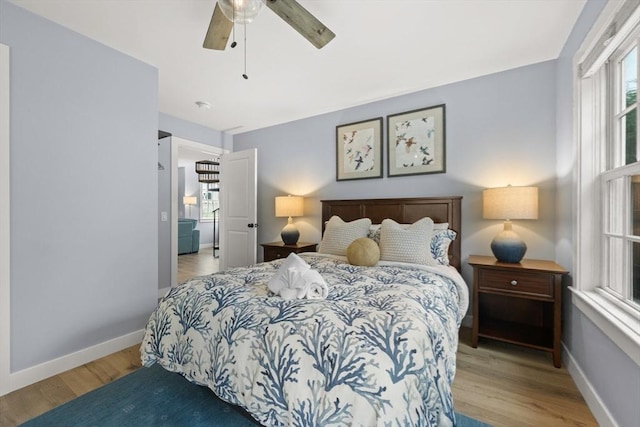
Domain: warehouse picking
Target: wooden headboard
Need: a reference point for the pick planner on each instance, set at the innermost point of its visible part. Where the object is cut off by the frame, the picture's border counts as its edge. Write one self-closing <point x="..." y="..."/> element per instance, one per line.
<point x="403" y="211"/>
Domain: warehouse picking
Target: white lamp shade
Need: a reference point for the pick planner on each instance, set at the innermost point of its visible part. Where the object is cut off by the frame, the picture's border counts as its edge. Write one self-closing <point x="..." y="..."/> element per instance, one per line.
<point x="289" y="206"/>
<point x="190" y="200"/>
<point x="510" y="203"/>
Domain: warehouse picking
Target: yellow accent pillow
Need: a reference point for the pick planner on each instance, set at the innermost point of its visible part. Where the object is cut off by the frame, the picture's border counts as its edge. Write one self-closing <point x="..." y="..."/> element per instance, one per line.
<point x="363" y="252"/>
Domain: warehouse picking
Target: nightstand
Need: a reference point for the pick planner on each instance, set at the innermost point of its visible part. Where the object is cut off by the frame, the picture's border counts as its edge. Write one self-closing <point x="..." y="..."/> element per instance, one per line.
<point x="518" y="303"/>
<point x="278" y="250"/>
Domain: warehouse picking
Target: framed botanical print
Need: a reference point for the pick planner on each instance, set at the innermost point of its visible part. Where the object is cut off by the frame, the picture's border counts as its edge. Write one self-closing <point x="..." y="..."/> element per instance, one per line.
<point x="359" y="150"/>
<point x="416" y="142"/>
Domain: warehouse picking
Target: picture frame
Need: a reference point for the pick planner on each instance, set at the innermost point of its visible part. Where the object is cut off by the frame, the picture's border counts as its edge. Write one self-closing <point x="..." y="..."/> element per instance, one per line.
<point x="359" y="150"/>
<point x="416" y="142"/>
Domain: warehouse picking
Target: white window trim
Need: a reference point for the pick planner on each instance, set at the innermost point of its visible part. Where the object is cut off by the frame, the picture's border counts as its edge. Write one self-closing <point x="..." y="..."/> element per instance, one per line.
<point x="622" y="326"/>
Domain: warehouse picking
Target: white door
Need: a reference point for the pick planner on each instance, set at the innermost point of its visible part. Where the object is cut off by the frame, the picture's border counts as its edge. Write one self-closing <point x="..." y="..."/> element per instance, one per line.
<point x="238" y="213"/>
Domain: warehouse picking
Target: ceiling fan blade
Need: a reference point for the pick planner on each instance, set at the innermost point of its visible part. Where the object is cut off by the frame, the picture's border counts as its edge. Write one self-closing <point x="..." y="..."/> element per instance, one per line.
<point x="302" y="21"/>
<point x="218" y="32"/>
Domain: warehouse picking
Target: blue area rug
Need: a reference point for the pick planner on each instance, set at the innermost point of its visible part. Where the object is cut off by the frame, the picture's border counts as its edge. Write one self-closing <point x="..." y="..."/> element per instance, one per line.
<point x="156" y="397"/>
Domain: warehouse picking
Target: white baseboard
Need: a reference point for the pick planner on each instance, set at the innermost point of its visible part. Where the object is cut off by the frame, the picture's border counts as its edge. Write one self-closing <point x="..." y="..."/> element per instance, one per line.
<point x="53" y="367"/>
<point x="206" y="245"/>
<point x="595" y="404"/>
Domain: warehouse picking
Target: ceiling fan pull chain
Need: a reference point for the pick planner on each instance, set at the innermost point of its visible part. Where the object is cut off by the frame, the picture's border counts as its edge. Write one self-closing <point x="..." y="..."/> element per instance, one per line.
<point x="246" y="77"/>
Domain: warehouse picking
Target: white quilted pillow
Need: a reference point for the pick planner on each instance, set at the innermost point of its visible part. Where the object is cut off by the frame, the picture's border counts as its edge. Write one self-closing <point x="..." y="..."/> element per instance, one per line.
<point x="338" y="234"/>
<point x="374" y="230"/>
<point x="407" y="244"/>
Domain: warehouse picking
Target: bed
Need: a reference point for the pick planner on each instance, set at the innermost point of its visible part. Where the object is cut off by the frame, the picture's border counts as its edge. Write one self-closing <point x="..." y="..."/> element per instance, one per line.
<point x="379" y="350"/>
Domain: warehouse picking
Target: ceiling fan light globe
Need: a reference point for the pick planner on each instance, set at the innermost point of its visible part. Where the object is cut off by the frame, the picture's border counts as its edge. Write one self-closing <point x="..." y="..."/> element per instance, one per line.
<point x="245" y="10"/>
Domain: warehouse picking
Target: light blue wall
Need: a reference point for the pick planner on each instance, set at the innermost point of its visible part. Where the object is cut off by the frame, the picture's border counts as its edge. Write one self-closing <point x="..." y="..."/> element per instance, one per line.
<point x="84" y="238"/>
<point x="614" y="377"/>
<point x="500" y="130"/>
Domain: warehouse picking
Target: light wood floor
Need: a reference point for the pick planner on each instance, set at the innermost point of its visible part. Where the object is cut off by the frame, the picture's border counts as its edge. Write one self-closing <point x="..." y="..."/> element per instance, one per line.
<point x="508" y="385"/>
<point x="198" y="264"/>
<point x="500" y="384"/>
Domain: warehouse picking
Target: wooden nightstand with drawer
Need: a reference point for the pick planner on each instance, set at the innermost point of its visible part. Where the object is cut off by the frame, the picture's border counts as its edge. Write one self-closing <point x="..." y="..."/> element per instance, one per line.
<point x="518" y="303"/>
<point x="278" y="250"/>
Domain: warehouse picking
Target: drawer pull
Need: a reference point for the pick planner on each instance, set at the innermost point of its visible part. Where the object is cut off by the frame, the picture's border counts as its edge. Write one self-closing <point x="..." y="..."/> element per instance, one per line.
<point x="514" y="282"/>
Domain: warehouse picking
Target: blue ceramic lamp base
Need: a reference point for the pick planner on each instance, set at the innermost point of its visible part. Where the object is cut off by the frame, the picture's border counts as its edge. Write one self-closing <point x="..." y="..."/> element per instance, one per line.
<point x="507" y="246"/>
<point x="290" y="234"/>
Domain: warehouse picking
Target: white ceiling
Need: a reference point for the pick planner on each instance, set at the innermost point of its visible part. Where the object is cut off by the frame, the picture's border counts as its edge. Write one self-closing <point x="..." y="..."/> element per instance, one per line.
<point x="382" y="48"/>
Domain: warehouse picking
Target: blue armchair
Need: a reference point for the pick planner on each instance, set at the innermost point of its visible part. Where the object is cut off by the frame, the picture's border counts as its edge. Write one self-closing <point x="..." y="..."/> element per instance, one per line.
<point x="188" y="236"/>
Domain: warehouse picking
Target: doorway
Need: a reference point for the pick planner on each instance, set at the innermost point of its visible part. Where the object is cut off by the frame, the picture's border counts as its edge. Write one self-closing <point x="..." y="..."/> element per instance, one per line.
<point x="190" y="151"/>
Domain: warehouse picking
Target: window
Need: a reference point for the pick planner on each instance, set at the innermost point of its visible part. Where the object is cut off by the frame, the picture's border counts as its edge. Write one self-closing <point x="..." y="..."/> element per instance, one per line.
<point x="208" y="201"/>
<point x="607" y="280"/>
<point x="620" y="177"/>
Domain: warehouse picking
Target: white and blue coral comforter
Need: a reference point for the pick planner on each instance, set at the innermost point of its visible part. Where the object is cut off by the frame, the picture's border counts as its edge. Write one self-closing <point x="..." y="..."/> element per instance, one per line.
<point x="379" y="351"/>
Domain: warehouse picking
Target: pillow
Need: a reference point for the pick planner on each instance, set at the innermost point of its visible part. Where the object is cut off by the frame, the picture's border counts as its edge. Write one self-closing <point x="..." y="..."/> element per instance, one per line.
<point x="374" y="230"/>
<point x="440" y="241"/>
<point x="441" y="238"/>
<point x="363" y="251"/>
<point x="374" y="233"/>
<point x="338" y="234"/>
<point x="411" y="244"/>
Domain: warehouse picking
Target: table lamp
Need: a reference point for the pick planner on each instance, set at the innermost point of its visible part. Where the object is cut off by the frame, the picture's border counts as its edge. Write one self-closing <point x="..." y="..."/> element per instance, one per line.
<point x="509" y="203"/>
<point x="289" y="206"/>
<point x="188" y="201"/>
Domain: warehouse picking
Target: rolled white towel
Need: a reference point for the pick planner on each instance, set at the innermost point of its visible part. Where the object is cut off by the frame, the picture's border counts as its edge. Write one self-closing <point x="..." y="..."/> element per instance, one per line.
<point x="296" y="280"/>
<point x="288" y="293"/>
<point x="298" y="286"/>
<point x="289" y="273"/>
<point x="315" y="285"/>
<point x="301" y="285"/>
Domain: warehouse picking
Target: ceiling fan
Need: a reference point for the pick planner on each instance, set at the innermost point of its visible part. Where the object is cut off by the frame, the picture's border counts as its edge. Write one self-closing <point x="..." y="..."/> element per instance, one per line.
<point x="228" y="12"/>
